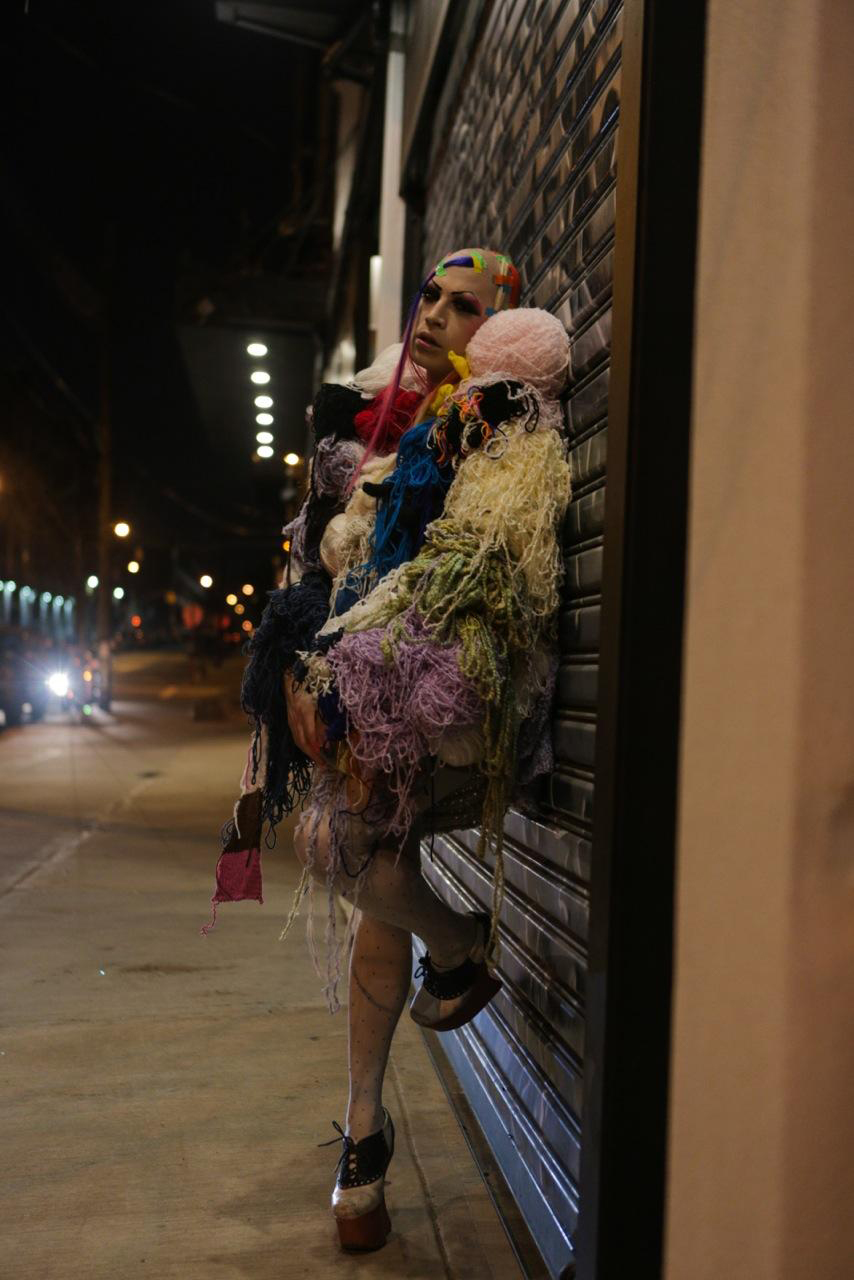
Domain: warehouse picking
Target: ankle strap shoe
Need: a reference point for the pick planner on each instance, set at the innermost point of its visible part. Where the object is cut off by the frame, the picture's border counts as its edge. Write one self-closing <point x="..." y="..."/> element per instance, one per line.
<point x="449" y="998"/>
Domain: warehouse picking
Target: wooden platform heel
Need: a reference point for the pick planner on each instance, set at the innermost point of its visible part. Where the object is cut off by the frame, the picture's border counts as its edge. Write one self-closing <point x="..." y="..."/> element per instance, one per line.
<point x="369" y="1231"/>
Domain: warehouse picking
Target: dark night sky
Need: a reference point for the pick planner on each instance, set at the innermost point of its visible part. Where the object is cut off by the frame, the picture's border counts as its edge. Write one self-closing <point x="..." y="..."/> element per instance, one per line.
<point x="178" y="133"/>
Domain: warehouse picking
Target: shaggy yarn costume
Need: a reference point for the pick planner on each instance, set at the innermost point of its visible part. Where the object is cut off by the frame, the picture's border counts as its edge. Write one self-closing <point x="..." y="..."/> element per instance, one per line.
<point x="420" y="610"/>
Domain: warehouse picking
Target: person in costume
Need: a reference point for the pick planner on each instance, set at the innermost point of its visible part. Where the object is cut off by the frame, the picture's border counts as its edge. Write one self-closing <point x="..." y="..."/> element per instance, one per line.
<point x="400" y="680"/>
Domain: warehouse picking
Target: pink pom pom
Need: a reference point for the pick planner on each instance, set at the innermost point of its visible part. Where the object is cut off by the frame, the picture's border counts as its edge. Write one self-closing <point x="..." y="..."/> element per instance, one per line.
<point x="530" y="344"/>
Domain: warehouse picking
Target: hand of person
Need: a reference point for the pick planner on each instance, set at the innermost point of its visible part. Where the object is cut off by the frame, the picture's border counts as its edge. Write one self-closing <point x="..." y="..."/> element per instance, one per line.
<point x="309" y="731"/>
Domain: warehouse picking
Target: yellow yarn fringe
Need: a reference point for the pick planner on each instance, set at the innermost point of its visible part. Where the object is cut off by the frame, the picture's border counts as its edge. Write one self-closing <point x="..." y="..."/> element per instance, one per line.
<point x="517" y="501"/>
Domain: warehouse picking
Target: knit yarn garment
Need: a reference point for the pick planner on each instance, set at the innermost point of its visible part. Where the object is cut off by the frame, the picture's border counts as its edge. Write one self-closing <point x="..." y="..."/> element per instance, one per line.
<point x="437" y="642"/>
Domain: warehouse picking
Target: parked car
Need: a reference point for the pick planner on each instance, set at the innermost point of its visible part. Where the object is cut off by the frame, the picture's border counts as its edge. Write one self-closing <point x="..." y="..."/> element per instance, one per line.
<point x="37" y="675"/>
<point x="15" y="676"/>
<point x="22" y="684"/>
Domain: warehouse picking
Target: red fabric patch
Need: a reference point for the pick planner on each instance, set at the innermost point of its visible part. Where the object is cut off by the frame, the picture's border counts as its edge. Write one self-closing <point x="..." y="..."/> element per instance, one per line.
<point x="398" y="421"/>
<point x="238" y="878"/>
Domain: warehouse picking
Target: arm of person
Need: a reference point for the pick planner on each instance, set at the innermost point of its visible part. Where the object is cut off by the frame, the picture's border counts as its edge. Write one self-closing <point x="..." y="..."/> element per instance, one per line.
<point x="309" y="731"/>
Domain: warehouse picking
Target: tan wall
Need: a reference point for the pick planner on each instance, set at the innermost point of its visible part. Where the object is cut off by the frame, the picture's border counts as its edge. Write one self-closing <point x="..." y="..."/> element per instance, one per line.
<point x="762" y="1126"/>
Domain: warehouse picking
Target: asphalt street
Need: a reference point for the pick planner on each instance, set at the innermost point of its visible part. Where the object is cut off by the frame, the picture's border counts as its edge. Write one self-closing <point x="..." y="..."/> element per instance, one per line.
<point x="164" y="1094"/>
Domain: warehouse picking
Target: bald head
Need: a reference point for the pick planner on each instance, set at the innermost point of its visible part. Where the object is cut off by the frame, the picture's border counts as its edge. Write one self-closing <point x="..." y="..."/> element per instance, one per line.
<point x="490" y="276"/>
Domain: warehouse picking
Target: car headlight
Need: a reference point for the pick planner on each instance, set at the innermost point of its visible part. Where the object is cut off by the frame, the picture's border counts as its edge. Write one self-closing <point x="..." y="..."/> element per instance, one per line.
<point x="58" y="683"/>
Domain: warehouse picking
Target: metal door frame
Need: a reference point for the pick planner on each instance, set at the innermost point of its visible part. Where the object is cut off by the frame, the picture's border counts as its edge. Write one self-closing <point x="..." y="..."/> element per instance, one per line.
<point x="627" y="1049"/>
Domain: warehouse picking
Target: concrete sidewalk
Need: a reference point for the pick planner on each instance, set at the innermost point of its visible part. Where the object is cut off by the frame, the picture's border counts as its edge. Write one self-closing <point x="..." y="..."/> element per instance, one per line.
<point x="163" y="1093"/>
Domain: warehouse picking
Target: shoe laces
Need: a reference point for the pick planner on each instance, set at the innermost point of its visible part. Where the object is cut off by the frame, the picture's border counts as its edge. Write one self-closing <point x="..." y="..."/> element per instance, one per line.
<point x="348" y="1151"/>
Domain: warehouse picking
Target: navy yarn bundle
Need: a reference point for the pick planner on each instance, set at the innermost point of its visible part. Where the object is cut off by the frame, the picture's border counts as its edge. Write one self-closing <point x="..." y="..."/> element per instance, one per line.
<point x="289" y="624"/>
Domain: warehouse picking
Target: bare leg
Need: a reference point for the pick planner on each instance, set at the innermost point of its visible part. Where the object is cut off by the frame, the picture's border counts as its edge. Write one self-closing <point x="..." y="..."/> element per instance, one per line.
<point x="395" y="892"/>
<point x="380" y="972"/>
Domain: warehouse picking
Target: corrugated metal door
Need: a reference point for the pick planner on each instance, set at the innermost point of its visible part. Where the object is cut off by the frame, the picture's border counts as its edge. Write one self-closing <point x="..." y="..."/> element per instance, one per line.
<point x="523" y="159"/>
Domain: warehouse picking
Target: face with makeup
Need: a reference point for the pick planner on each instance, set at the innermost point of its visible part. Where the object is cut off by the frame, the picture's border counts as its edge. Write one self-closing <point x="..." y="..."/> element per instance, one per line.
<point x="455" y="302"/>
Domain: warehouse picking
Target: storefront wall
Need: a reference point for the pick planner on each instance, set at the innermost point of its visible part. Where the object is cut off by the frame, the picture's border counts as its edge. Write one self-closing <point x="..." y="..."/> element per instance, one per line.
<point x="522" y="158"/>
<point x="759" y="1162"/>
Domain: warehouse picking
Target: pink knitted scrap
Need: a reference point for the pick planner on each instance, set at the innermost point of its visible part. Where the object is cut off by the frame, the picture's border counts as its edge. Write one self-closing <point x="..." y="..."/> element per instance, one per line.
<point x="238" y="877"/>
<point x="400" y="709"/>
<point x="238" y="870"/>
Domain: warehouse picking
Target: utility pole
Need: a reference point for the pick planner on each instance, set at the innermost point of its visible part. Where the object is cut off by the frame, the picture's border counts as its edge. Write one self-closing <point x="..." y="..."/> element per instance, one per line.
<point x="105" y="481"/>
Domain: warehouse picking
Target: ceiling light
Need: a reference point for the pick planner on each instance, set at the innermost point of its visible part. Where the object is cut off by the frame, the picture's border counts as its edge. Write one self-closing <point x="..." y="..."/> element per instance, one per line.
<point x="256" y="349"/>
<point x="259" y="377"/>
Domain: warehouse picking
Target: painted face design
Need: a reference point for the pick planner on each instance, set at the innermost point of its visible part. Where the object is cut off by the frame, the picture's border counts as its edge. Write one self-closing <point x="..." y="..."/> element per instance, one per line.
<point x="464" y="290"/>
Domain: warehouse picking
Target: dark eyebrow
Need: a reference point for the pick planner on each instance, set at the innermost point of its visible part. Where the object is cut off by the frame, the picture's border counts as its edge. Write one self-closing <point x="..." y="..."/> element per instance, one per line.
<point x="455" y="293"/>
<point x="458" y="293"/>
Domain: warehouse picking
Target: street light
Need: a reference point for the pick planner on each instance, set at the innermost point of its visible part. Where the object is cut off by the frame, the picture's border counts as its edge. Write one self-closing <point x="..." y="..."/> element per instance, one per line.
<point x="231" y="598"/>
<point x="292" y="459"/>
<point x="264" y="437"/>
<point x="46" y="597"/>
<point x="263" y="402"/>
<point x="239" y="608"/>
<point x="121" y="529"/>
<point x="246" y="625"/>
<point x="118" y="593"/>
<point x="264" y="419"/>
<point x="133" y="566"/>
<point x="247" y="588"/>
<point x="265" y="451"/>
<point x="206" y="580"/>
<point x="256" y="349"/>
<point x="260" y="377"/>
<point x="92" y="581"/>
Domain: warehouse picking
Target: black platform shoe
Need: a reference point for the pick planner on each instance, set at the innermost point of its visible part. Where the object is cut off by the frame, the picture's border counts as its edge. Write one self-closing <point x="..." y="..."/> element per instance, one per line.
<point x="358" y="1199"/>
<point x="471" y="985"/>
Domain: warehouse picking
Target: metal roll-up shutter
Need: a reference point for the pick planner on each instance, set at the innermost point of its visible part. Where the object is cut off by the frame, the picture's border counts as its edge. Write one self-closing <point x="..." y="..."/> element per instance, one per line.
<point x="523" y="160"/>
